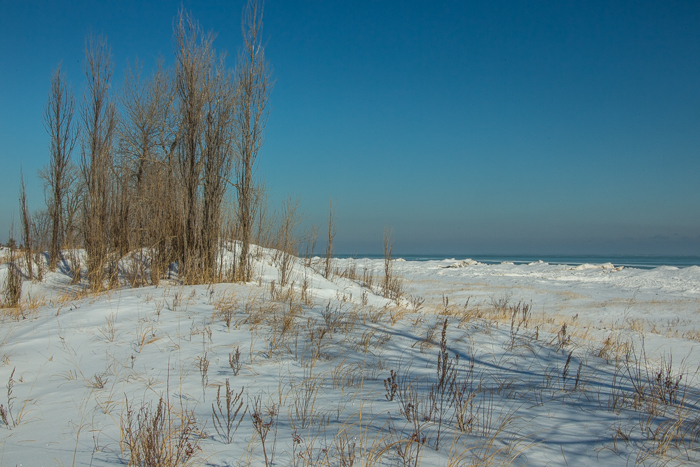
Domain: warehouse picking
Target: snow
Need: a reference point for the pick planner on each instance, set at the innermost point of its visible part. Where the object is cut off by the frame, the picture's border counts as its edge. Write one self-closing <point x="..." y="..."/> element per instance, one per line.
<point x="464" y="263"/>
<point x="583" y="266"/>
<point x="557" y="366"/>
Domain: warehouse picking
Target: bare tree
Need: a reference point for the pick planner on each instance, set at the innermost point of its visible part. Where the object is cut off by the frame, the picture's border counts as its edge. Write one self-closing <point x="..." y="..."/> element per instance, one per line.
<point x="72" y="207"/>
<point x="41" y="239"/>
<point x="99" y="117"/>
<point x="139" y="129"/>
<point x="194" y="59"/>
<point x="218" y="155"/>
<point x="58" y="121"/>
<point x="166" y="233"/>
<point x="26" y="225"/>
<point x="206" y="102"/>
<point x="121" y="207"/>
<point x="253" y="77"/>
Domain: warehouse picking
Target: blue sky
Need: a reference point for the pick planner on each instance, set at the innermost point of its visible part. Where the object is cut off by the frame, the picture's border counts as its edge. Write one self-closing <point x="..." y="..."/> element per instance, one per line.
<point x="467" y="127"/>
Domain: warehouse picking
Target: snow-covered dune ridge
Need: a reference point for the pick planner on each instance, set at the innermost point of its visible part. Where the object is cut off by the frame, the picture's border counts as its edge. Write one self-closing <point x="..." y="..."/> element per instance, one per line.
<point x="459" y="364"/>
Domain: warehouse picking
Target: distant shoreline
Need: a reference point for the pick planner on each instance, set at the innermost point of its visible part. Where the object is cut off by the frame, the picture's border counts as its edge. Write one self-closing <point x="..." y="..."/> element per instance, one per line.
<point x="630" y="261"/>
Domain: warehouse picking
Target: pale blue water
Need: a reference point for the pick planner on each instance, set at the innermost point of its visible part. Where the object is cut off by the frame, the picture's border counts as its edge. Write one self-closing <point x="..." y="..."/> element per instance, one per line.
<point x="633" y="261"/>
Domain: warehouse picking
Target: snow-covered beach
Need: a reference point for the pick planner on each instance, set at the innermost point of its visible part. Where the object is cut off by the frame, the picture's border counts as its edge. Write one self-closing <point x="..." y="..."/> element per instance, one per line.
<point x="473" y="364"/>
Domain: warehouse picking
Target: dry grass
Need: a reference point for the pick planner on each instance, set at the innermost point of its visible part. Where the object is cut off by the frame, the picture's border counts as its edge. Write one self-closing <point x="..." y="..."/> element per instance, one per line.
<point x="159" y="436"/>
<point x="226" y="414"/>
<point x="225" y="306"/>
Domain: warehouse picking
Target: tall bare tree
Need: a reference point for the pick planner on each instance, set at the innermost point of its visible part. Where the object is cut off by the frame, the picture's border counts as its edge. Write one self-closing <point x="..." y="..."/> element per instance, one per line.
<point x="206" y="104"/>
<point x="193" y="72"/>
<point x="253" y="77"/>
<point x="166" y="232"/>
<point x="58" y="121"/>
<point x="218" y="154"/>
<point x="99" y="119"/>
<point x="26" y="225"/>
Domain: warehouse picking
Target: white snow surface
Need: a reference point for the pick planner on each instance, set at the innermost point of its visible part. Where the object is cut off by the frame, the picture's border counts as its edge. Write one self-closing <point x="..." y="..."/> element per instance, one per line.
<point x="619" y="386"/>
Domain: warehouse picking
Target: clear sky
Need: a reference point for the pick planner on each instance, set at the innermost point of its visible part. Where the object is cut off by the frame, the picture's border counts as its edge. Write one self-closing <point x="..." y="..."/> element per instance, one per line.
<point x="467" y="127"/>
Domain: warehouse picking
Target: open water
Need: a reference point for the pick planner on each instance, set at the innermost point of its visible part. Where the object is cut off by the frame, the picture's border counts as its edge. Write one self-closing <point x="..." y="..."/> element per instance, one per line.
<point x="630" y="261"/>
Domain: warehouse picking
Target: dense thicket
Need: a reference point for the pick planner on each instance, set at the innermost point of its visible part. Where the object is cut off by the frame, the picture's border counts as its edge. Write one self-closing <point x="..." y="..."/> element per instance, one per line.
<point x="157" y="159"/>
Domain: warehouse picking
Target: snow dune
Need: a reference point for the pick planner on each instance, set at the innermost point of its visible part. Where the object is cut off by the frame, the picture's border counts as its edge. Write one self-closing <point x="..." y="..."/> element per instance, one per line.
<point x="474" y="365"/>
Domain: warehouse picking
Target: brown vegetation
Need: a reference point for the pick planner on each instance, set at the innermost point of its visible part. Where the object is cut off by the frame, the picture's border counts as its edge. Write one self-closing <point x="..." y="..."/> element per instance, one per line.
<point x="156" y="162"/>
